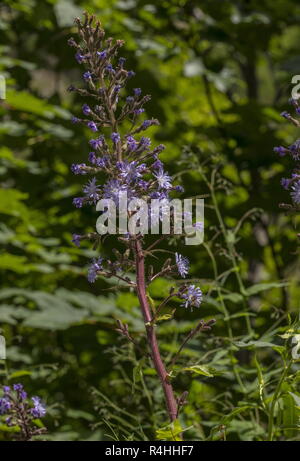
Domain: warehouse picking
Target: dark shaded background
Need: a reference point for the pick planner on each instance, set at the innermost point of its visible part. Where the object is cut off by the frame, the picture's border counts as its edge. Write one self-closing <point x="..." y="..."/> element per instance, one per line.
<point x="219" y="73"/>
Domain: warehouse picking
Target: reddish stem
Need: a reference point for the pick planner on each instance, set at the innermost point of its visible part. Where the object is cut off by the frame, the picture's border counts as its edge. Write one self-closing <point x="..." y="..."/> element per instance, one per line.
<point x="151" y="336"/>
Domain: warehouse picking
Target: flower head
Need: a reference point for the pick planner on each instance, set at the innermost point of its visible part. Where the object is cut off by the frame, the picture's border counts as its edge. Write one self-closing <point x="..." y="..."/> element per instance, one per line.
<point x="102" y="54"/>
<point x="87" y="75"/>
<point x="78" y="168"/>
<point x="92" y="126"/>
<point x="183" y="264"/>
<point x="115" y="138"/>
<point x="78" y="202"/>
<point x="5" y="405"/>
<point x="76" y="239"/>
<point x="97" y="143"/>
<point x="39" y="409"/>
<point x="86" y="109"/>
<point x="94" y="267"/>
<point x="192" y="297"/>
<point x="91" y="190"/>
<point x="163" y="179"/>
<point x="295" y="192"/>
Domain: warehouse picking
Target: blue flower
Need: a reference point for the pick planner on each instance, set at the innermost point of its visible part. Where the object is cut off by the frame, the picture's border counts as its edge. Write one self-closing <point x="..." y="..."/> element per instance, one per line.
<point x="94" y="267"/>
<point x="115" y="137"/>
<point x="122" y="62"/>
<point x="285" y="182"/>
<point x="39" y="410"/>
<point x="102" y="54"/>
<point x="5" y="405"/>
<point x="87" y="75"/>
<point x="76" y="239"/>
<point x="75" y="120"/>
<point x="130" y="74"/>
<point x="163" y="179"/>
<point x="91" y="190"/>
<point x="113" y="188"/>
<point x="147" y="123"/>
<point x="117" y="89"/>
<point x="131" y="143"/>
<point x="137" y="92"/>
<point x="80" y="57"/>
<point x="86" y="109"/>
<point x="145" y="143"/>
<point x="192" y="297"/>
<point x="102" y="162"/>
<point x="199" y="226"/>
<point x="97" y="143"/>
<point x="78" y="168"/>
<point x="183" y="264"/>
<point x="280" y="150"/>
<point x="157" y="165"/>
<point x="18" y="387"/>
<point x="130" y="171"/>
<point x="143" y="184"/>
<point x="139" y="111"/>
<point x="295" y="150"/>
<point x="92" y="126"/>
<point x="295" y="193"/>
<point x="78" y="202"/>
<point x="110" y="68"/>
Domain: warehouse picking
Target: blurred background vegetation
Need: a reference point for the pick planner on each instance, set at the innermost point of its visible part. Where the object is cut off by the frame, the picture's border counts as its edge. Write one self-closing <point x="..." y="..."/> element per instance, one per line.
<point x="219" y="73"/>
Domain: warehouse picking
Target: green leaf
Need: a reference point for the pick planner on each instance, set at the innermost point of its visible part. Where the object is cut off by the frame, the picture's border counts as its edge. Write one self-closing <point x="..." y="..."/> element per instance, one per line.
<point x="226" y="419"/>
<point x="19" y="374"/>
<point x="202" y="370"/>
<point x="254" y="289"/>
<point x="171" y="432"/>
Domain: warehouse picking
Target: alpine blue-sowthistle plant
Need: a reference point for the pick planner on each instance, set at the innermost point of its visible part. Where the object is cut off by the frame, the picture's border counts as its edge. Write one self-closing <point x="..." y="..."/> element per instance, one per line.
<point x="292" y="184"/>
<point x="21" y="411"/>
<point x="123" y="153"/>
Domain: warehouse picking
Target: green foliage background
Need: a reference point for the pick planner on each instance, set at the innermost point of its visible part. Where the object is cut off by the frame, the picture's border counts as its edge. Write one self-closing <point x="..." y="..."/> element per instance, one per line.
<point x="219" y="74"/>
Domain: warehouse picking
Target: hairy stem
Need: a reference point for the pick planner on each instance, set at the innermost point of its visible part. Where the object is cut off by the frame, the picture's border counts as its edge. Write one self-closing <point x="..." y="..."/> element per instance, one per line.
<point x="151" y="335"/>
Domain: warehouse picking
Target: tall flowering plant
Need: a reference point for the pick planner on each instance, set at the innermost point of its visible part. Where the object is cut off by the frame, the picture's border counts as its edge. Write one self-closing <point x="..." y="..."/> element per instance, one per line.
<point x="121" y="151"/>
<point x="292" y="184"/>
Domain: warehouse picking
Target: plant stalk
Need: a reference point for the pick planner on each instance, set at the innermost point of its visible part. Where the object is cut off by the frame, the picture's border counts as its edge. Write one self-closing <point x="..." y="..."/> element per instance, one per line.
<point x="151" y="335"/>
